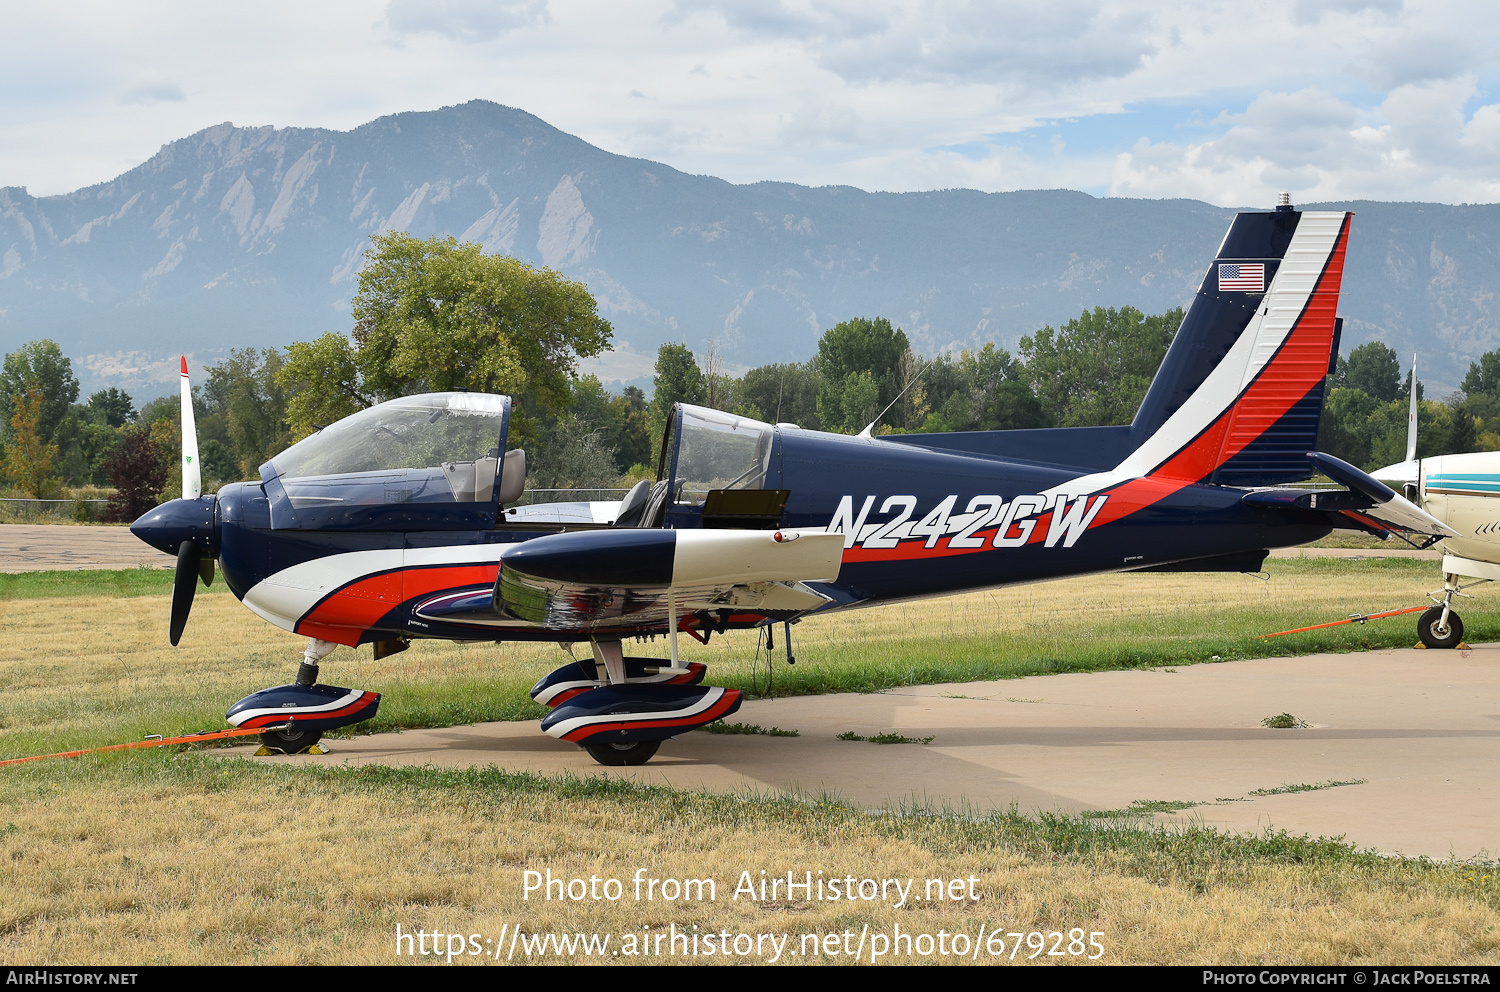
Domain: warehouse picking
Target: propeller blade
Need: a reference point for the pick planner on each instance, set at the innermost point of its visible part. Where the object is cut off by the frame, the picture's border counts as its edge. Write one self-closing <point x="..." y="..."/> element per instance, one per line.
<point x="184" y="585"/>
<point x="1411" y="418"/>
<point x="192" y="477"/>
<point x="206" y="571"/>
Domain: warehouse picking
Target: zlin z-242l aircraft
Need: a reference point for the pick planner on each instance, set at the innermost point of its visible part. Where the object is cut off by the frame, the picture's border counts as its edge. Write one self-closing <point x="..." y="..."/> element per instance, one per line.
<point x="392" y="523"/>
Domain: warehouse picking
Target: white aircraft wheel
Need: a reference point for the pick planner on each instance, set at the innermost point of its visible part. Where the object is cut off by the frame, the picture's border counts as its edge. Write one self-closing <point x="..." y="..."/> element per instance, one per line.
<point x="1437" y="637"/>
<point x="637" y="753"/>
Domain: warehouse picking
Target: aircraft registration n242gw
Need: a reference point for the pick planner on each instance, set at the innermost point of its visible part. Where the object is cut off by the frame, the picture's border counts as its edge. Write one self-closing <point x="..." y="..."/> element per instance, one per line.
<point x="392" y="524"/>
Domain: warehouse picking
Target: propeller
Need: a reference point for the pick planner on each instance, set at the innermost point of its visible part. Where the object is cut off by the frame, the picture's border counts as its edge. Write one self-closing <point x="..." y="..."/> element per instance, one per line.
<point x="192" y="564"/>
<point x="184" y="585"/>
<point x="192" y="477"/>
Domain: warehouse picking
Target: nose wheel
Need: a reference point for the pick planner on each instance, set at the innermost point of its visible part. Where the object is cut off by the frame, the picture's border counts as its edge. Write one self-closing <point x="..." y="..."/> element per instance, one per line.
<point x="291" y="740"/>
<point x="636" y="753"/>
<point x="1436" y="633"/>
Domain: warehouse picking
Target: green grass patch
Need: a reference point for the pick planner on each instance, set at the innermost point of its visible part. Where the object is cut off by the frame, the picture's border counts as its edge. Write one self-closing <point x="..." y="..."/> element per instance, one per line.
<point x="120" y="583"/>
<point x="1283" y="721"/>
<point x="886" y="738"/>
<point x="1140" y="808"/>
<point x="1281" y="790"/>
<point x="720" y="727"/>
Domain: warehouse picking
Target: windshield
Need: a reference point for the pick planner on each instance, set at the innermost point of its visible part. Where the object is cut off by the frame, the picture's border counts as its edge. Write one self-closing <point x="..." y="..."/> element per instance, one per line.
<point x="424" y="431"/>
<point x="717" y="450"/>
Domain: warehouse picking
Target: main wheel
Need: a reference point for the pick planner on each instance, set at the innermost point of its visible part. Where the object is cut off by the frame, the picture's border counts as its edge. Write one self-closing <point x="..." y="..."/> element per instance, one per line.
<point x="636" y="753"/>
<point x="1440" y="637"/>
<point x="291" y="740"/>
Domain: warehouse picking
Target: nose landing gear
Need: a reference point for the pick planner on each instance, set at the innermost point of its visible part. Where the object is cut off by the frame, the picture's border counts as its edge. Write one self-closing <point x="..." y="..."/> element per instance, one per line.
<point x="304" y="707"/>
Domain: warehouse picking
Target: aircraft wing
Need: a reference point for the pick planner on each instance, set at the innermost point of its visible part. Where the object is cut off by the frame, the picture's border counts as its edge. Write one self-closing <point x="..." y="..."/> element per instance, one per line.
<point x="1370" y="503"/>
<point x="632" y="577"/>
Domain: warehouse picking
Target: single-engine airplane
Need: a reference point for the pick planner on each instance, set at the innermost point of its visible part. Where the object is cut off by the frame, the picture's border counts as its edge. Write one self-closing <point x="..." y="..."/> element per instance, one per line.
<point x="1461" y="491"/>
<point x="392" y="523"/>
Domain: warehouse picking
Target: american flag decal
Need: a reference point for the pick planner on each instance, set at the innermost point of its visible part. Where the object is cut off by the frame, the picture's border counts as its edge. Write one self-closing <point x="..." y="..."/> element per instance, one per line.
<point x="1240" y="277"/>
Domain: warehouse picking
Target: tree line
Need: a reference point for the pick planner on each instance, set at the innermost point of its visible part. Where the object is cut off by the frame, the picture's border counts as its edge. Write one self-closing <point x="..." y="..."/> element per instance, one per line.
<point x="437" y="315"/>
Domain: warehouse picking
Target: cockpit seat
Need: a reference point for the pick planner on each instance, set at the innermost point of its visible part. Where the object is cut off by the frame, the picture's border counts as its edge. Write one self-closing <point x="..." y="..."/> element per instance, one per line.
<point x="632" y="506"/>
<point x="512" y="476"/>
<point x="654" y="509"/>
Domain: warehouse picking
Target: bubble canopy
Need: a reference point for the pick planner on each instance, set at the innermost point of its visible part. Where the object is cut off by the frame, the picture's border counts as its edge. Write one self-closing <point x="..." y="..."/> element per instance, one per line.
<point x="427" y="460"/>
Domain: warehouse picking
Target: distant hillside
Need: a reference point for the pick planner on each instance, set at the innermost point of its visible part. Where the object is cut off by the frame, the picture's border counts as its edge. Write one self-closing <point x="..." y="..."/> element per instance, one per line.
<point x="253" y="236"/>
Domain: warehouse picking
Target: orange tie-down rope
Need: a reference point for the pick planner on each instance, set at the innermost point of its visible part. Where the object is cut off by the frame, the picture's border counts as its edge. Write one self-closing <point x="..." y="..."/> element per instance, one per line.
<point x="202" y="735"/>
<point x="1353" y="618"/>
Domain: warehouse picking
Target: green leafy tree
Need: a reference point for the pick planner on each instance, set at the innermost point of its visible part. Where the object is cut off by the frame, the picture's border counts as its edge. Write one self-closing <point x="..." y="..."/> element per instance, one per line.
<point x="1372" y="368"/>
<point x="576" y="456"/>
<point x="109" y="407"/>
<point x="1344" y="430"/>
<point x="1095" y="370"/>
<point x="1463" y="430"/>
<point x="28" y="460"/>
<point x="85" y="447"/>
<point x="634" y="445"/>
<point x="40" y="365"/>
<point x="1484" y="375"/>
<point x="244" y="409"/>
<point x="782" y="394"/>
<point x="437" y="315"/>
<point x="678" y="380"/>
<point x="980" y="391"/>
<point x="855" y="357"/>
<point x="218" y="462"/>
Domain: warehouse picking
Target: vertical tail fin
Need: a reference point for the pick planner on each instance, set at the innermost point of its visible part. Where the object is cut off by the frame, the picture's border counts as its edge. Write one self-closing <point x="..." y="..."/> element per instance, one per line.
<point x="1238" y="397"/>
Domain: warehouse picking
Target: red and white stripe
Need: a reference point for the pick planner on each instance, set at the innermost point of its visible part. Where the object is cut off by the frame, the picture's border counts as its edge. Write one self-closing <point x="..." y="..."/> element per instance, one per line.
<point x="351" y="702"/>
<point x="714" y="703"/>
<point x="1278" y="358"/>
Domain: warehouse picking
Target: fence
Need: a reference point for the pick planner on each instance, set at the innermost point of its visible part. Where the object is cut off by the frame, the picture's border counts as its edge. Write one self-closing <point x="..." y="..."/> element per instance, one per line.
<point x="533" y="496"/>
<point x="42" y="511"/>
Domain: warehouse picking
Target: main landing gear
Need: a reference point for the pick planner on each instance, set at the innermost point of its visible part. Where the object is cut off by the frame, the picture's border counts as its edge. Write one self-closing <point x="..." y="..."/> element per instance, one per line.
<point x="296" y="716"/>
<point x="620" y="709"/>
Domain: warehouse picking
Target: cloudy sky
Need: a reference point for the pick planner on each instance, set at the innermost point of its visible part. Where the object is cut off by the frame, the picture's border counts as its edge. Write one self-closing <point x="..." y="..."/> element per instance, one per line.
<point x="1227" y="102"/>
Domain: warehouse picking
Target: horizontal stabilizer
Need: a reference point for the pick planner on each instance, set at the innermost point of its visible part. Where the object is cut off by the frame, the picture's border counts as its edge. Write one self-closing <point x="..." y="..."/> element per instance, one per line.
<point x="1387" y="507"/>
<point x="1329" y="500"/>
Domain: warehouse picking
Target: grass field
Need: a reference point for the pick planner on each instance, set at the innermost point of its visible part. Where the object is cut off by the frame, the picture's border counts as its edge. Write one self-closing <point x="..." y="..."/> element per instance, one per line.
<point x="183" y="858"/>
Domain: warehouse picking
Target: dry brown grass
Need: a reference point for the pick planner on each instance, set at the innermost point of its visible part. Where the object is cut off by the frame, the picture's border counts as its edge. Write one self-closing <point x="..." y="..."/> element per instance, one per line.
<point x="151" y="858"/>
<point x="194" y="861"/>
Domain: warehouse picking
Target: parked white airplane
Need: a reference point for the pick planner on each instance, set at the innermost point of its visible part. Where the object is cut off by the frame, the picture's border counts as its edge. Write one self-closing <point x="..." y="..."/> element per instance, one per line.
<point x="1463" y="491"/>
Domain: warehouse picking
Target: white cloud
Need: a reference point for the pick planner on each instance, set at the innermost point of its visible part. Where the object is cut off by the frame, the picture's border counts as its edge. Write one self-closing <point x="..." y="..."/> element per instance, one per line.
<point x="463" y="20"/>
<point x="1417" y="145"/>
<point x="1220" y="99"/>
<point x="152" y="87"/>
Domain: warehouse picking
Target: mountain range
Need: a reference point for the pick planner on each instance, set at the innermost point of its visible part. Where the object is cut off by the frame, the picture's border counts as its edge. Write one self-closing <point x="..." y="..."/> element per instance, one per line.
<point x="253" y="236"/>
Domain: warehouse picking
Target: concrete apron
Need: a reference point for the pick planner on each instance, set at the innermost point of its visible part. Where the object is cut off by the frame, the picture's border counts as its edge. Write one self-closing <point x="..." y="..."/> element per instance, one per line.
<point x="1421" y="728"/>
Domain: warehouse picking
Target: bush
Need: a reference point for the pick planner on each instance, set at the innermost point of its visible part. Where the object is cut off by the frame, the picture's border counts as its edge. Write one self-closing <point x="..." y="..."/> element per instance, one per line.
<point x="135" y="470"/>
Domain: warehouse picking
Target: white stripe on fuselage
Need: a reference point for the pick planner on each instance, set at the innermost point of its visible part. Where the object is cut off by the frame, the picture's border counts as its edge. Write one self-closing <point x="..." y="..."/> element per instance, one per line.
<point x="285" y="597"/>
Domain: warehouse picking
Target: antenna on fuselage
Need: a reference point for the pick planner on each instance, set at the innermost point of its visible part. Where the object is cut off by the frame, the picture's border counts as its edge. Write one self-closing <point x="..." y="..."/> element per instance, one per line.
<point x="870" y="430"/>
